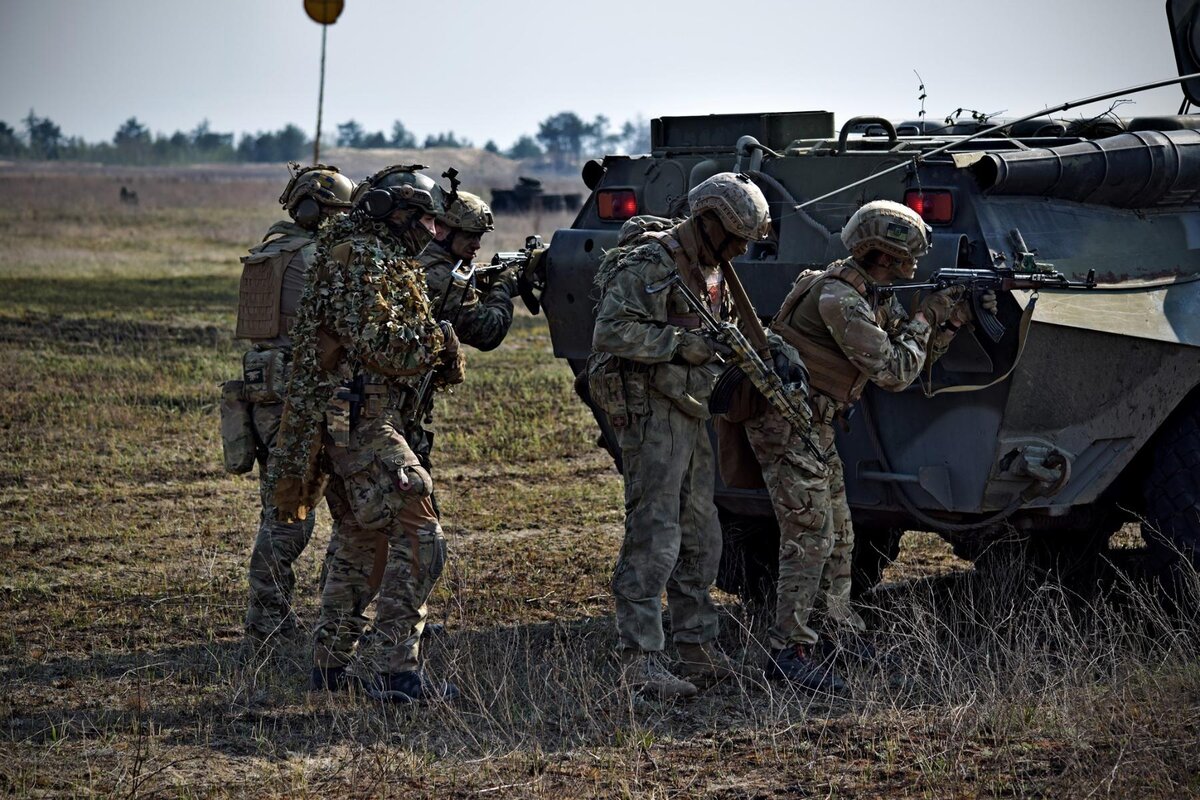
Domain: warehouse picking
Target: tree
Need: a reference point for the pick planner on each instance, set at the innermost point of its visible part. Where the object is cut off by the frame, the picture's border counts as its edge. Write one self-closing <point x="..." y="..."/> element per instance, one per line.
<point x="131" y="135"/>
<point x="286" y="144"/>
<point x="562" y="135"/>
<point x="491" y="147"/>
<point x="376" y="139"/>
<point x="350" y="134"/>
<point x="524" y="147"/>
<point x="447" y="139"/>
<point x="10" y="144"/>
<point x="204" y="140"/>
<point x="402" y="136"/>
<point x="635" y="136"/>
<point x="44" y="136"/>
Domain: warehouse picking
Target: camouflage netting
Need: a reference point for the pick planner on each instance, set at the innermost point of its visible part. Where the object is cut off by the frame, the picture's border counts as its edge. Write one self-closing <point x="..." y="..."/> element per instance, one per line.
<point x="374" y="303"/>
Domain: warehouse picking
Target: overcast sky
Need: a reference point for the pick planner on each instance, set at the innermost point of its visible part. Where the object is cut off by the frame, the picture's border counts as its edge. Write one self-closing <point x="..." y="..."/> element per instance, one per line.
<point x="492" y="70"/>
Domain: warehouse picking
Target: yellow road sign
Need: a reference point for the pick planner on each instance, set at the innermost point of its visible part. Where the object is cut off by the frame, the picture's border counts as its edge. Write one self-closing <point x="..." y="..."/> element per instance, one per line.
<point x="325" y="12"/>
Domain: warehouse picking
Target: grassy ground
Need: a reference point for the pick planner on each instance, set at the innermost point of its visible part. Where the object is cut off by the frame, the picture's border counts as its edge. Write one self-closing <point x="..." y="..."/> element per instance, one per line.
<point x="125" y="547"/>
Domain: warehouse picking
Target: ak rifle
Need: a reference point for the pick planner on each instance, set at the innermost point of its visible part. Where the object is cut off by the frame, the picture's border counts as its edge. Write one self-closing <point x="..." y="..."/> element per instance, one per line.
<point x="999" y="279"/>
<point x="745" y="356"/>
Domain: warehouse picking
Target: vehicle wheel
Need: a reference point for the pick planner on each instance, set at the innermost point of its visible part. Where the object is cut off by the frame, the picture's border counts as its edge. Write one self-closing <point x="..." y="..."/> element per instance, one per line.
<point x="749" y="559"/>
<point x="874" y="549"/>
<point x="1172" y="500"/>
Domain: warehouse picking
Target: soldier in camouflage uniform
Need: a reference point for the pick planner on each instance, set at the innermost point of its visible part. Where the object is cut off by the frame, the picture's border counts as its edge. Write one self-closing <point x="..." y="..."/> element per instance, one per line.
<point x="654" y="370"/>
<point x="365" y="339"/>
<point x="481" y="315"/>
<point x="272" y="279"/>
<point x="846" y="336"/>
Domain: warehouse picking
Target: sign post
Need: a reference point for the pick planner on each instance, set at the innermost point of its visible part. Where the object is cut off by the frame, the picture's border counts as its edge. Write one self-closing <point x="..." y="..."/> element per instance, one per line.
<point x="325" y="13"/>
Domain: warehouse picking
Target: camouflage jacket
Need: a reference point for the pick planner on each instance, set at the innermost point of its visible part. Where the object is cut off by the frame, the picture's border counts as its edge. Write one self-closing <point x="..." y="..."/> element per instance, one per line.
<point x="876" y="337"/>
<point x="364" y="312"/>
<point x="481" y="319"/>
<point x="645" y="330"/>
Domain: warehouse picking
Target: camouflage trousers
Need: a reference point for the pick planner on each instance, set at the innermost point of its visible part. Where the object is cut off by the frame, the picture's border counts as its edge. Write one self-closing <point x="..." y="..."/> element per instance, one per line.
<point x="816" y="538"/>
<point x="672" y="535"/>
<point x="276" y="546"/>
<point x="378" y="488"/>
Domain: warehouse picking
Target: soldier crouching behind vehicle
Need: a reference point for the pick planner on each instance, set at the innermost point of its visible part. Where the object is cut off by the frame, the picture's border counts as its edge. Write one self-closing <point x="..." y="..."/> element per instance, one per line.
<point x="273" y="276"/>
<point x="660" y="370"/>
<point x="364" y="340"/>
<point x="846" y="335"/>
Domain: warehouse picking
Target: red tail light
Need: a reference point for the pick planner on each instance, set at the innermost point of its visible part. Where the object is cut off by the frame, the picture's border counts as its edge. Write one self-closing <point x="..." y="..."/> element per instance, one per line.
<point x="935" y="207"/>
<point x="616" y="203"/>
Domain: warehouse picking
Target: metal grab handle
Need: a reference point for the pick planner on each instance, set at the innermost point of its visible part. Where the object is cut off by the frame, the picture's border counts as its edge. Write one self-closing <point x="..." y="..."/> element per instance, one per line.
<point x="850" y="123"/>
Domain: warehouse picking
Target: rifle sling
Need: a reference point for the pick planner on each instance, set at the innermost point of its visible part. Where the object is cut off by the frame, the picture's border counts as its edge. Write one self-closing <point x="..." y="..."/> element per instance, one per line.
<point x="747" y="316"/>
<point x="1023" y="336"/>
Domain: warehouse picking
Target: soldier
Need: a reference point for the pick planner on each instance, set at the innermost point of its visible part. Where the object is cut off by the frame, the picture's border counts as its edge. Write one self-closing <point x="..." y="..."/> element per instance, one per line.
<point x="272" y="280"/>
<point x="846" y="336"/>
<point x="654" y="372"/>
<point x="480" y="318"/>
<point x="365" y="339"/>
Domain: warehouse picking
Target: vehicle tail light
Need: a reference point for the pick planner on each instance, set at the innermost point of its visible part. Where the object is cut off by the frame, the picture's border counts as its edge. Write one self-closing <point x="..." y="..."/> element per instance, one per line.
<point x="935" y="207"/>
<point x="616" y="203"/>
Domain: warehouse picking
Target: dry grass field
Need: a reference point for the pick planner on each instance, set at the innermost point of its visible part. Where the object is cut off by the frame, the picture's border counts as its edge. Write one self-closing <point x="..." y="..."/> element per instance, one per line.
<point x="125" y="546"/>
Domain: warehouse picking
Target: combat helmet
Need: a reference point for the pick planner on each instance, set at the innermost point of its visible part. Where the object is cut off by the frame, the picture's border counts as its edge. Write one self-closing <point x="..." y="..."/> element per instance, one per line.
<point x="314" y="188"/>
<point x="737" y="203"/>
<point x="467" y="212"/>
<point x="891" y="228"/>
<point x="399" y="187"/>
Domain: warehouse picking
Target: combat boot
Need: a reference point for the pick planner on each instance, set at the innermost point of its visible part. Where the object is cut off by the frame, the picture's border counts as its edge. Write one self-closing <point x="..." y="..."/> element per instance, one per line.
<point x="849" y="649"/>
<point x="794" y="664"/>
<point x="704" y="664"/>
<point x="413" y="686"/>
<point x="328" y="679"/>
<point x="644" y="673"/>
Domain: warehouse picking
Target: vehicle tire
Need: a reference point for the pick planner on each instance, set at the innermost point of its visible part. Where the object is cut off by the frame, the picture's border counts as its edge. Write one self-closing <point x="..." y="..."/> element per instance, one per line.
<point x="1171" y="492"/>
<point x="874" y="549"/>
<point x="749" y="559"/>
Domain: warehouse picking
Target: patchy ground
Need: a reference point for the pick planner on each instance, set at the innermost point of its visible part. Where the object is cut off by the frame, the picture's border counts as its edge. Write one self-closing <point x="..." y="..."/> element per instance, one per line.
<point x="121" y="669"/>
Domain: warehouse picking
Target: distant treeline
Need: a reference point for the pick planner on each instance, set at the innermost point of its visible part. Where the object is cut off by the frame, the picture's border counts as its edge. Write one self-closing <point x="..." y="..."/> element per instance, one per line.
<point x="561" y="142"/>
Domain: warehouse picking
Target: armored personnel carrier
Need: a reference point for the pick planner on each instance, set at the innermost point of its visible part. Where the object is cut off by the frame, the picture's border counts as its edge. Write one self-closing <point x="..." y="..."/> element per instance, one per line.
<point x="529" y="195"/>
<point x="1083" y="414"/>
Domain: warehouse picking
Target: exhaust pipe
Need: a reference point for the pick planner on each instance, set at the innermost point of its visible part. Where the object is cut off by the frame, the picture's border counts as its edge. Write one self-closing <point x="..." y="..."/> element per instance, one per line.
<point x="1131" y="170"/>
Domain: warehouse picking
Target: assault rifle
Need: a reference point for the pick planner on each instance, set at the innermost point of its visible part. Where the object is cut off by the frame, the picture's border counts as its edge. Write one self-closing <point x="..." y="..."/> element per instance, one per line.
<point x="747" y="358"/>
<point x="531" y="276"/>
<point x="1000" y="279"/>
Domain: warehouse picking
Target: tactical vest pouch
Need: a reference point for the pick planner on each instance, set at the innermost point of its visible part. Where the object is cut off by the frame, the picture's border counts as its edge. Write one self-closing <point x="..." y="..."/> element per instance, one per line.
<point x="265" y="371"/>
<point x="237" y="429"/>
<point x="258" y="294"/>
<point x="606" y="387"/>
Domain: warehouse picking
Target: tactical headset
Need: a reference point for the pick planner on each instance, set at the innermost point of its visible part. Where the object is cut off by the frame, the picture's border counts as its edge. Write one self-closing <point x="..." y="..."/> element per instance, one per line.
<point x="381" y="203"/>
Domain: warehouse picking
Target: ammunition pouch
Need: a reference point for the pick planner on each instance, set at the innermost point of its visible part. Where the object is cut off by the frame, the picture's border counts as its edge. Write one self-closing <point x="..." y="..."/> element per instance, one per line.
<point x="238" y="443"/>
<point x="265" y="373"/>
<point x="618" y="391"/>
<point x="380" y="483"/>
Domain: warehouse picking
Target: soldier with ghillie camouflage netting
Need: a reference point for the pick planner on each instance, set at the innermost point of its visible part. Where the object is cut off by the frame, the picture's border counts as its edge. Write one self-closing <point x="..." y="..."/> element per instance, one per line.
<point x="365" y="340"/>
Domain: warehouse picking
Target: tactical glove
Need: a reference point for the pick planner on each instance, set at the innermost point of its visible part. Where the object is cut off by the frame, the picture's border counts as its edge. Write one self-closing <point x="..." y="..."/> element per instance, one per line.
<point x="695" y="349"/>
<point x="450" y="349"/>
<point x="791" y="373"/>
<point x="940" y="306"/>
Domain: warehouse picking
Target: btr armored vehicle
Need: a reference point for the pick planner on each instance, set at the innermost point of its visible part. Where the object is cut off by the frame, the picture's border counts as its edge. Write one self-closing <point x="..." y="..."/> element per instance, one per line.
<point x="1082" y="415"/>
